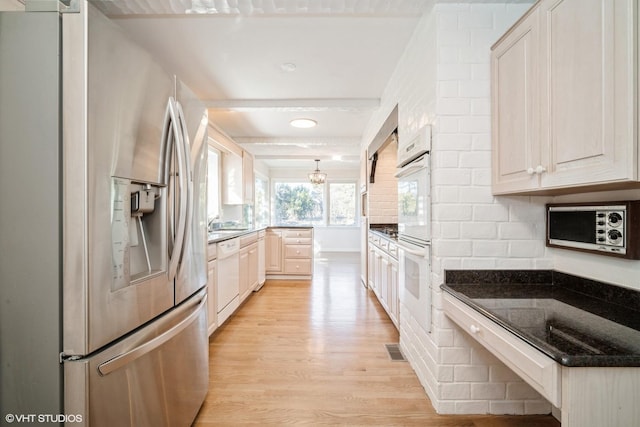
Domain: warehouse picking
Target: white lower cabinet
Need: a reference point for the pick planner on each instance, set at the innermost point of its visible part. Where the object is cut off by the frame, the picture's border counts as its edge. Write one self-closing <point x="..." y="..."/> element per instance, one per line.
<point x="289" y="252"/>
<point x="248" y="264"/>
<point x="383" y="274"/>
<point x="212" y="277"/>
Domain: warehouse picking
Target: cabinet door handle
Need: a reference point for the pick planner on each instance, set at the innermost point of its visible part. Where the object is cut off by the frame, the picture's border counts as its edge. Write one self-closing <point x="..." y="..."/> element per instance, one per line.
<point x="474" y="329"/>
<point x="540" y="169"/>
<point x="531" y="171"/>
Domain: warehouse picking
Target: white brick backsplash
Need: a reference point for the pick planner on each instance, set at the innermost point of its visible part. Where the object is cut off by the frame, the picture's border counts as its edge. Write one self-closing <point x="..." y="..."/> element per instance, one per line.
<point x="517" y="230"/>
<point x="445" y="373"/>
<point x="480" y="72"/>
<point x="447" y="125"/>
<point x="489" y="391"/>
<point x="476" y="19"/>
<point x="447" y="89"/>
<point x="537" y="407"/>
<point x="521" y="391"/>
<point x="476" y="159"/>
<point x="476" y="194"/>
<point x="454" y="356"/>
<point x="500" y="373"/>
<point x="470" y="373"/>
<point x="479" y="264"/>
<point x="449" y="230"/>
<point x="452" y="212"/>
<point x="454" y="37"/>
<point x="472" y="407"/>
<point x="452" y="248"/>
<point x="507" y="407"/>
<point x="490" y="248"/>
<point x="445" y="159"/>
<point x="473" y="55"/>
<point x="457" y="177"/>
<point x="454" y="72"/>
<point x="478" y="230"/>
<point x="473" y="124"/>
<point x="495" y="212"/>
<point x="481" y="177"/>
<point x="448" y="55"/>
<point x="475" y="89"/>
<point x="453" y="107"/>
<point x="447" y="21"/>
<point x="443" y="79"/>
<point x="526" y="248"/>
<point x="480" y="107"/>
<point x="449" y="142"/>
<point x="455" y="391"/>
<point x="516" y="264"/>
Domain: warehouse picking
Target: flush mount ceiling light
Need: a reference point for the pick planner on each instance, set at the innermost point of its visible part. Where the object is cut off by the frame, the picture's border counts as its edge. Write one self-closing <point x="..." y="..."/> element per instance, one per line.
<point x="288" y="67"/>
<point x="317" y="177"/>
<point x="303" y="123"/>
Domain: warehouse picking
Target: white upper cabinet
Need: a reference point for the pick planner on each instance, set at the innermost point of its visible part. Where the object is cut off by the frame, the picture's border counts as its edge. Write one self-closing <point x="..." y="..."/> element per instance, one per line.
<point x="564" y="101"/>
<point x="515" y="95"/>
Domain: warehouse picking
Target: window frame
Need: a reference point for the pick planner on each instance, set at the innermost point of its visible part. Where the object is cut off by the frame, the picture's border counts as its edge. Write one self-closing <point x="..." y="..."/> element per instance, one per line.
<point x="356" y="220"/>
<point x="326" y="200"/>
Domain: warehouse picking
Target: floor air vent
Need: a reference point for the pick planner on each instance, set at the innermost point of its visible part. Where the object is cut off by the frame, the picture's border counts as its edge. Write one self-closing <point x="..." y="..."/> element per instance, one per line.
<point x="394" y="353"/>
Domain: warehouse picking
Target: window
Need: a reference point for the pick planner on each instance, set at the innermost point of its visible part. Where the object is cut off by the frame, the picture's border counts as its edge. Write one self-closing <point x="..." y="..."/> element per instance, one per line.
<point x="261" y="201"/>
<point x="213" y="185"/>
<point x="298" y="203"/>
<point x="302" y="203"/>
<point x="342" y="203"/>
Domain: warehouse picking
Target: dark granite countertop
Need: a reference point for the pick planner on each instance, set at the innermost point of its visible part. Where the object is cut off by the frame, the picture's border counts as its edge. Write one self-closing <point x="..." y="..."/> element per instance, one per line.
<point x="388" y="231"/>
<point x="222" y="234"/>
<point x="575" y="321"/>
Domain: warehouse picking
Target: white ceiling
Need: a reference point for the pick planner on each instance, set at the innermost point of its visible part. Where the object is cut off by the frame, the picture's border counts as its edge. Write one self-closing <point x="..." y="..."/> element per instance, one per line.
<point x="235" y="58"/>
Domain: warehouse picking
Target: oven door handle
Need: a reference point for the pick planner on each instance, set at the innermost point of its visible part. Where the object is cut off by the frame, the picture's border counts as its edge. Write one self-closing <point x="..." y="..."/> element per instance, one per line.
<point x="411" y="168"/>
<point x="420" y="254"/>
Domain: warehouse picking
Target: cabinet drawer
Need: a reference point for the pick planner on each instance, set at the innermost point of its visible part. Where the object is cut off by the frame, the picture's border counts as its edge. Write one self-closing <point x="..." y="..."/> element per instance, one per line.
<point x="297" y="251"/>
<point x="248" y="239"/>
<point x="539" y="371"/>
<point x="298" y="241"/>
<point x="297" y="266"/>
<point x="290" y="233"/>
<point x="393" y="250"/>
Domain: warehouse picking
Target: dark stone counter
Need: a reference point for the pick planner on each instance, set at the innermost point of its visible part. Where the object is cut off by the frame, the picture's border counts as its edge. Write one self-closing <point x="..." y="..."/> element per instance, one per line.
<point x="575" y="321"/>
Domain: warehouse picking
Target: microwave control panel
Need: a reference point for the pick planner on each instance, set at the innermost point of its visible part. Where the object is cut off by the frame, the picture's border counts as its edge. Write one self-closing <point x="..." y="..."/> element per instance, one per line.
<point x="610" y="228"/>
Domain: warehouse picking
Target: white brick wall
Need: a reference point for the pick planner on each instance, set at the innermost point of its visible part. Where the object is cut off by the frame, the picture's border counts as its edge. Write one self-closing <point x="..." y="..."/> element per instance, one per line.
<point x="383" y="193"/>
<point x="443" y="80"/>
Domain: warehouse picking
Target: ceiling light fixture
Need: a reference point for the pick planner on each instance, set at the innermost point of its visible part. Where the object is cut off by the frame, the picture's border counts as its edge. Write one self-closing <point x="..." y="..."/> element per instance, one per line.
<point x="288" y="67"/>
<point x="317" y="177"/>
<point x="303" y="123"/>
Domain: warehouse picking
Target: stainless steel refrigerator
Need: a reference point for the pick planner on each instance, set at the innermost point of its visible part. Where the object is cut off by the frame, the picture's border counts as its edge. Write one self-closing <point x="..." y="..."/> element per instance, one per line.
<point x="102" y="226"/>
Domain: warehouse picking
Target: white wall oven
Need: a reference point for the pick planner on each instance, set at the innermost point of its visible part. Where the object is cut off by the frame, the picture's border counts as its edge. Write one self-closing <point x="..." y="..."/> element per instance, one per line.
<point x="414" y="226"/>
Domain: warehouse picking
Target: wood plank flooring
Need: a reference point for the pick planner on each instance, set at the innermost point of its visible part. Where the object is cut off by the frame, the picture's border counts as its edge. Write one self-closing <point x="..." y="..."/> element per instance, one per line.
<point x="312" y="353"/>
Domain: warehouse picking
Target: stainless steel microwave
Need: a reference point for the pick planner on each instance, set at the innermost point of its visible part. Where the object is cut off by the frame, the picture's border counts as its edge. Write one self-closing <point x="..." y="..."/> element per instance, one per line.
<point x="607" y="228"/>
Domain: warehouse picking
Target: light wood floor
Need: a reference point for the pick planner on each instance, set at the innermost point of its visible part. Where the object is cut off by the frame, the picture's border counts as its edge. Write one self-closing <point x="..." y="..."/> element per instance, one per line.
<point x="302" y="352"/>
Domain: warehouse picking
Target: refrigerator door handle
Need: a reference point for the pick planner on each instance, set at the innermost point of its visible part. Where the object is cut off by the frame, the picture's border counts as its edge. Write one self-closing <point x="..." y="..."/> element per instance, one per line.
<point x="177" y="234"/>
<point x="187" y="168"/>
<point x="124" y="359"/>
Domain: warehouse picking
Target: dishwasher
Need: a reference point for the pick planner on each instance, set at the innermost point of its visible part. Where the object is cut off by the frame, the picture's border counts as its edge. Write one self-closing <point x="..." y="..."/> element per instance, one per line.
<point x="228" y="287"/>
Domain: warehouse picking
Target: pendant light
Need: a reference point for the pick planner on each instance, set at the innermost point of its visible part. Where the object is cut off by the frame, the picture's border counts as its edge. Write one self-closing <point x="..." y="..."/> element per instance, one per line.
<point x="317" y="177"/>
